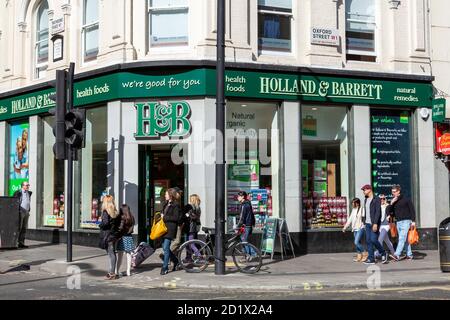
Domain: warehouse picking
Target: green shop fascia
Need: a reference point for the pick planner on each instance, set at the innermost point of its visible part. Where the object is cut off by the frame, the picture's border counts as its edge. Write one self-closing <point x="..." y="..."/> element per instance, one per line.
<point x="239" y="84"/>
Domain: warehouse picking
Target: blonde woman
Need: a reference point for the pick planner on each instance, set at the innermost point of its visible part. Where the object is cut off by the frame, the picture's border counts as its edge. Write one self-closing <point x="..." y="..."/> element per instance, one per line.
<point x="110" y="234"/>
<point x="193" y="213"/>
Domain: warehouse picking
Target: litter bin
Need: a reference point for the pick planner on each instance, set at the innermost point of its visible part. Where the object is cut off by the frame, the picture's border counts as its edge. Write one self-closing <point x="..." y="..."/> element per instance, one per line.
<point x="444" y="244"/>
<point x="9" y="222"/>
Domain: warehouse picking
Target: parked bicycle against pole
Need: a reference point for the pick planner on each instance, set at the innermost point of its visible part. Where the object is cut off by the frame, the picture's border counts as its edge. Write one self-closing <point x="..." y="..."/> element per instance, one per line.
<point x="195" y="255"/>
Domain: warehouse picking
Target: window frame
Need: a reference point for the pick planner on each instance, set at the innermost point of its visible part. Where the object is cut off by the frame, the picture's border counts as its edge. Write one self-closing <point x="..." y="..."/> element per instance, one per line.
<point x="167" y="10"/>
<point x="84" y="31"/>
<point x="278" y="11"/>
<point x="363" y="53"/>
<point x="39" y="70"/>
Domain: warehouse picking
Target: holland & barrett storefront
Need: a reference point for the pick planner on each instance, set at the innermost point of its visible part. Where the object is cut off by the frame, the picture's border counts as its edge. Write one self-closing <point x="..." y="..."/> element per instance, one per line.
<point x="301" y="144"/>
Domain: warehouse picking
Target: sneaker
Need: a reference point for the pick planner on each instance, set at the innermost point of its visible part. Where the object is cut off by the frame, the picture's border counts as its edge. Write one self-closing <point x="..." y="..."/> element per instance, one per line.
<point x="401" y="258"/>
<point x="369" y="262"/>
<point x="409" y="258"/>
<point x="385" y="258"/>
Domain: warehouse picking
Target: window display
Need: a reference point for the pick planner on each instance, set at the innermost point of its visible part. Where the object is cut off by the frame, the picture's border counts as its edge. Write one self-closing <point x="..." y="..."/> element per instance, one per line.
<point x="324" y="167"/>
<point x="252" y="160"/>
<point x="53" y="180"/>
<point x="91" y="170"/>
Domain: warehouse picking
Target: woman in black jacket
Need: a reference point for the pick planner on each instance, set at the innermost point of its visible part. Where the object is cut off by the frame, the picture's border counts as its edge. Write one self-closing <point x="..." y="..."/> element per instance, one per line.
<point x="110" y="234"/>
<point x="171" y="216"/>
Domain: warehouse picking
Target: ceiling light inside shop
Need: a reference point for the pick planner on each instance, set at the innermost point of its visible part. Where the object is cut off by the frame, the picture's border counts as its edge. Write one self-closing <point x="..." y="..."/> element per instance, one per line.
<point x="243" y="105"/>
<point x="314" y="109"/>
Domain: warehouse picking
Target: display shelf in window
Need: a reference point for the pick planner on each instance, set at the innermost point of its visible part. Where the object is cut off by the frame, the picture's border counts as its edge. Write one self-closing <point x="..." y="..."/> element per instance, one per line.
<point x="56" y="219"/>
<point x="325" y="212"/>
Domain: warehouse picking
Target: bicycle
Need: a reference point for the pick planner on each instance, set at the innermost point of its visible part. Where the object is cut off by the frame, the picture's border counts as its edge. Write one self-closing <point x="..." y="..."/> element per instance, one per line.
<point x="195" y="255"/>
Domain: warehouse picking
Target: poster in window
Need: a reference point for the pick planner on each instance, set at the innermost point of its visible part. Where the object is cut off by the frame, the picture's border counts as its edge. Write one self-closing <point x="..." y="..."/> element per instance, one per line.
<point x="391" y="151"/>
<point x="18" y="156"/>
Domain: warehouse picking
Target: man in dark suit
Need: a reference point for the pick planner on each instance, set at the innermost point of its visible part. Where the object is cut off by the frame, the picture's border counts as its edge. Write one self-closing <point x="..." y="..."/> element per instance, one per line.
<point x="24" y="211"/>
<point x="372" y="212"/>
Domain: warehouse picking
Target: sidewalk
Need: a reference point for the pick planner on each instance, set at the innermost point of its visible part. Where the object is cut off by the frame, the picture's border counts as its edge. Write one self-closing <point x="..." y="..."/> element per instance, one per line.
<point x="309" y="272"/>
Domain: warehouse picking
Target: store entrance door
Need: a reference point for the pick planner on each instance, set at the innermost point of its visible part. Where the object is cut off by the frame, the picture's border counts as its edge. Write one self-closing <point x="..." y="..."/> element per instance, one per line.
<point x="157" y="173"/>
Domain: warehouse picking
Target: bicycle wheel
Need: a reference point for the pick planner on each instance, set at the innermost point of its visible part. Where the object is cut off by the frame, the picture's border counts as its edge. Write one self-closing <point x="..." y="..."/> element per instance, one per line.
<point x="194" y="255"/>
<point x="247" y="257"/>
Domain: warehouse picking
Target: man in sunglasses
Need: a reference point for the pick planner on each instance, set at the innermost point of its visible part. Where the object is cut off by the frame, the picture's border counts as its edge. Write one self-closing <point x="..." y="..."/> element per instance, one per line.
<point x="24" y="211"/>
<point x="405" y="215"/>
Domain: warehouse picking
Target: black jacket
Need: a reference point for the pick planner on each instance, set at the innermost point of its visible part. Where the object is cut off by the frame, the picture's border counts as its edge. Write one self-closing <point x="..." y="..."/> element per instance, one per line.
<point x="193" y="219"/>
<point x="172" y="218"/>
<point x="124" y="228"/>
<point x="246" y="217"/>
<point x="18" y="194"/>
<point x="375" y="211"/>
<point x="109" y="230"/>
<point x="403" y="209"/>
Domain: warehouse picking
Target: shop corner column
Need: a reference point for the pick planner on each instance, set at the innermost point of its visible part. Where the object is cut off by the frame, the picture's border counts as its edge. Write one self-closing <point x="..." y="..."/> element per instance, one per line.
<point x="292" y="165"/>
<point x="429" y="197"/>
<point x="33" y="162"/>
<point x="361" y="148"/>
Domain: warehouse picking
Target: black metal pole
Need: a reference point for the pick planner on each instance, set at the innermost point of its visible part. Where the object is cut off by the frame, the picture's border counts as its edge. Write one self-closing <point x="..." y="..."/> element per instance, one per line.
<point x="220" y="141"/>
<point x="69" y="199"/>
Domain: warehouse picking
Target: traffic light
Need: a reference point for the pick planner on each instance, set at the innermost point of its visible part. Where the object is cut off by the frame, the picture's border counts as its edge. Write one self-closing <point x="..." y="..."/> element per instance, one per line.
<point x="75" y="122"/>
<point x="60" y="147"/>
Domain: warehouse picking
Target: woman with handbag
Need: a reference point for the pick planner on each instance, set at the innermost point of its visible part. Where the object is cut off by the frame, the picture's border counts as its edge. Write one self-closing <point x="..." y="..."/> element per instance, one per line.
<point x="192" y="215"/>
<point x="126" y="243"/>
<point x="385" y="226"/>
<point x="110" y="234"/>
<point x="355" y="220"/>
<point x="171" y="216"/>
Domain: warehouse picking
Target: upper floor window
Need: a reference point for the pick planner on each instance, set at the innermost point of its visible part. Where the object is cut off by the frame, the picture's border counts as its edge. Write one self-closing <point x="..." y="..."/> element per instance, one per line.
<point x="41" y="41"/>
<point x="168" y="22"/>
<point x="89" y="30"/>
<point x="360" y="33"/>
<point x="274" y="25"/>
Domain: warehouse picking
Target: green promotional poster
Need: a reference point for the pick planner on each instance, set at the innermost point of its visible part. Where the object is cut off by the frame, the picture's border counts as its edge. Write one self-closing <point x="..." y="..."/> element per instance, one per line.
<point x="244" y="175"/>
<point x="269" y="234"/>
<point x="18" y="156"/>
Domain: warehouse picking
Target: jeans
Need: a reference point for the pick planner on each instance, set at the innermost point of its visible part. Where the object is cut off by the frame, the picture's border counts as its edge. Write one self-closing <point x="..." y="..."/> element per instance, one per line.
<point x="372" y="240"/>
<point x="23" y="220"/>
<point x="384" y="237"/>
<point x="358" y="236"/>
<point x="192" y="248"/>
<point x="111" y="250"/>
<point x="249" y="250"/>
<point x="403" y="228"/>
<point x="168" y="254"/>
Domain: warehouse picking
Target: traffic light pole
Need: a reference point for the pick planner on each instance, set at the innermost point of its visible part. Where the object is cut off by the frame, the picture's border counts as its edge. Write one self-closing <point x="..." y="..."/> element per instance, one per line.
<point x="220" y="142"/>
<point x="69" y="200"/>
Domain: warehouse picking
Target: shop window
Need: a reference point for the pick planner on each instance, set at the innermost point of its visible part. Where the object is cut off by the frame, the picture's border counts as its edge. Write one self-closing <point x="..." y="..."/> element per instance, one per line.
<point x="89" y="30"/>
<point x="168" y="22"/>
<point x="18" y="155"/>
<point x="324" y="167"/>
<point x="41" y="41"/>
<point x="252" y="145"/>
<point x="52" y="177"/>
<point x="360" y="30"/>
<point x="91" y="173"/>
<point x="274" y="25"/>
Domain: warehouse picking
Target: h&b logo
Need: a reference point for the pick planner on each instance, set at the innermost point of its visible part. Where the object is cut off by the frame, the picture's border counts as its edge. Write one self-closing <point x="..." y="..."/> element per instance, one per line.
<point x="155" y="119"/>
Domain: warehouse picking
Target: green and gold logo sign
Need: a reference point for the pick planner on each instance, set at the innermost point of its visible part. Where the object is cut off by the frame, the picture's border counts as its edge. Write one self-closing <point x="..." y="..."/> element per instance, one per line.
<point x="155" y="120"/>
